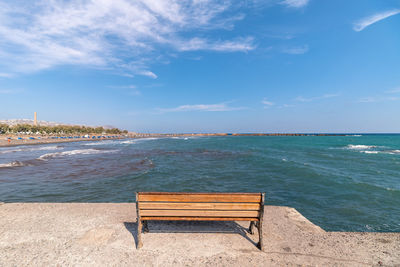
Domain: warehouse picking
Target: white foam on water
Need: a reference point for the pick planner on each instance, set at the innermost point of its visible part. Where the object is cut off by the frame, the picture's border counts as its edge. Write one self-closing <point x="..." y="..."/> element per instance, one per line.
<point x="99" y="143"/>
<point x="28" y="149"/>
<point x="390" y="152"/>
<point x="370" y="152"/>
<point x="368" y="227"/>
<point x="391" y="189"/>
<point x="128" y="142"/>
<point x="74" y="152"/>
<point x="147" y="138"/>
<point x="359" y="147"/>
<point x="12" y="164"/>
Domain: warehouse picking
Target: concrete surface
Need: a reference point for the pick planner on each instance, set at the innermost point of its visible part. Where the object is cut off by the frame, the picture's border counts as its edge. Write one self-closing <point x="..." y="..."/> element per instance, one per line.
<point x="99" y="234"/>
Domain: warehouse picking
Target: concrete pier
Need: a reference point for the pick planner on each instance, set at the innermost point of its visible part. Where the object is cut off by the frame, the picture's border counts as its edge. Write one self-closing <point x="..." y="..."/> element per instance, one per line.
<point x="100" y="234"/>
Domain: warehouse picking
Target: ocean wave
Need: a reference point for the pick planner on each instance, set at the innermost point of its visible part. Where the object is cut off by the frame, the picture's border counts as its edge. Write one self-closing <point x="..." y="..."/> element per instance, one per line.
<point x="390" y="152"/>
<point x="13" y="164"/>
<point x="359" y="147"/>
<point x="99" y="143"/>
<point x="128" y="142"/>
<point x="148" y="138"/>
<point x="28" y="149"/>
<point x="75" y="152"/>
<point x="369" y="152"/>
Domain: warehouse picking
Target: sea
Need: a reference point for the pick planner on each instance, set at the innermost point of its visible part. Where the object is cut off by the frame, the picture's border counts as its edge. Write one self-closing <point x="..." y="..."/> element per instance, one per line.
<point x="341" y="183"/>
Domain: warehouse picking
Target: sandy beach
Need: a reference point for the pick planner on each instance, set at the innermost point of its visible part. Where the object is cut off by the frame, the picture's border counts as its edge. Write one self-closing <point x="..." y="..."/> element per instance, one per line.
<point x="54" y="234"/>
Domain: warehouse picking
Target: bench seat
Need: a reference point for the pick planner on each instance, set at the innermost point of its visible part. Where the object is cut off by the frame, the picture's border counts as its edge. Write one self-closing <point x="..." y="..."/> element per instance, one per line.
<point x="166" y="206"/>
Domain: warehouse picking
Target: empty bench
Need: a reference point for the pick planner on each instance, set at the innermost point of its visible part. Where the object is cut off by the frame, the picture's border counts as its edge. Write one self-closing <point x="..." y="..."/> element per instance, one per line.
<point x="163" y="206"/>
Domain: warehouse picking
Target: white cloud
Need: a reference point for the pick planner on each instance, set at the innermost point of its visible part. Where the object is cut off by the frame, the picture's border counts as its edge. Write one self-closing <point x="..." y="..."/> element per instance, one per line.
<point x="381" y="98"/>
<point x="303" y="99"/>
<point x="393" y="91"/>
<point x="373" y="99"/>
<point x="8" y="91"/>
<point x="240" y="44"/>
<point x="368" y="99"/>
<point x="287" y="106"/>
<point x="296" y="50"/>
<point x="131" y="86"/>
<point x="148" y="74"/>
<point x="122" y="35"/>
<point x="295" y="3"/>
<point x="5" y="75"/>
<point x="129" y="89"/>
<point x="365" y="22"/>
<point x="267" y="103"/>
<point x="202" y="107"/>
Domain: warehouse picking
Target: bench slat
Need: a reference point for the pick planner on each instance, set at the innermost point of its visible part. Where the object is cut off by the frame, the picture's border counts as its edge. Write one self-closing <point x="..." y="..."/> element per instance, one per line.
<point x="198" y="206"/>
<point x="200" y="213"/>
<point x="166" y="218"/>
<point x="237" y="198"/>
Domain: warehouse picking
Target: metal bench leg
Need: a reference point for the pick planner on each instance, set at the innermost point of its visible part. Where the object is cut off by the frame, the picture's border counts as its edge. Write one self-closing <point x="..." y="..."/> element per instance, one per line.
<point x="260" y="224"/>
<point x="260" y="235"/>
<point x="139" y="234"/>
<point x="251" y="228"/>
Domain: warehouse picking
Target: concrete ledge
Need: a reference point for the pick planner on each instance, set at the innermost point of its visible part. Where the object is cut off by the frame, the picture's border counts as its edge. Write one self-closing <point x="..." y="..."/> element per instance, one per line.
<point x="103" y="234"/>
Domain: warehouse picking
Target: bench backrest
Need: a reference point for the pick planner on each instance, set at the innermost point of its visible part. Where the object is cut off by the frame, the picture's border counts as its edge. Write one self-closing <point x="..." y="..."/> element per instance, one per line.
<point x="200" y="206"/>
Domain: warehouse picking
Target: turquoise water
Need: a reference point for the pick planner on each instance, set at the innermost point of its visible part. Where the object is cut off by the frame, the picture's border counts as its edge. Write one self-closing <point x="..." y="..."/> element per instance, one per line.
<point x="341" y="183"/>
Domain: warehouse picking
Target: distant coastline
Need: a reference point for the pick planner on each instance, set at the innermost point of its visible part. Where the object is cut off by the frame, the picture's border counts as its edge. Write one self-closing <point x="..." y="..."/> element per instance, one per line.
<point x="17" y="140"/>
<point x="45" y="139"/>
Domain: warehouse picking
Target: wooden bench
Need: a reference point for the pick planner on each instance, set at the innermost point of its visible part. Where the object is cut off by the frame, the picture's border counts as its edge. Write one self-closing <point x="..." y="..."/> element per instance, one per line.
<point x="162" y="206"/>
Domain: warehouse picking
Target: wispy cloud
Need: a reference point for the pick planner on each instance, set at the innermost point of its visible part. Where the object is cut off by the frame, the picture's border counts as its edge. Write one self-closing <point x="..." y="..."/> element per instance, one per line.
<point x="201" y="107"/>
<point x="295" y="3"/>
<point x="373" y="99"/>
<point x="287" y="106"/>
<point x="393" y="91"/>
<point x="365" y="22"/>
<point x="310" y="99"/>
<point x="382" y="98"/>
<point x="122" y="35"/>
<point x="131" y="86"/>
<point x="5" y="75"/>
<point x="9" y="91"/>
<point x="129" y="89"/>
<point x="298" y="50"/>
<point x="240" y="44"/>
<point x="267" y="103"/>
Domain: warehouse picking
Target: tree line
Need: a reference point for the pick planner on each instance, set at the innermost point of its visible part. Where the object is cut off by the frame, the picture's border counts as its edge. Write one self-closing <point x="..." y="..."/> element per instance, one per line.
<point x="56" y="130"/>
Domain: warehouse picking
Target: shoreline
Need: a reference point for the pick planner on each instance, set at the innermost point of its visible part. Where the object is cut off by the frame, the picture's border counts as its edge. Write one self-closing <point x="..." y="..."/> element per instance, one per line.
<point x="48" y="140"/>
<point x="43" y="141"/>
<point x="104" y="234"/>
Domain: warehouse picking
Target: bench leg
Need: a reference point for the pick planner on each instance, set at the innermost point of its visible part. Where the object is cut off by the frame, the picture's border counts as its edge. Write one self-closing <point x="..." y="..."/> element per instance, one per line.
<point x="260" y="234"/>
<point x="251" y="228"/>
<point x="139" y="234"/>
<point x="146" y="227"/>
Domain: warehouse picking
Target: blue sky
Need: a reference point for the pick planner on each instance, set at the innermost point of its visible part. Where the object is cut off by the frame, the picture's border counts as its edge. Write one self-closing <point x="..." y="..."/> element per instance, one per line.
<point x="203" y="66"/>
